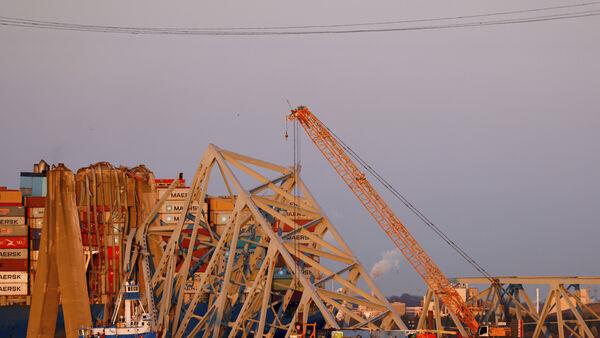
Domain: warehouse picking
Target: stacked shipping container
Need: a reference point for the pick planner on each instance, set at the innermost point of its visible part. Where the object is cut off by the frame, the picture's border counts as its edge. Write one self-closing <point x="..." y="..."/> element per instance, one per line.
<point x="220" y="209"/>
<point x="34" y="188"/>
<point x="36" y="206"/>
<point x="170" y="214"/>
<point x="102" y="226"/>
<point x="171" y="209"/>
<point x="282" y="276"/>
<point x="110" y="201"/>
<point x="13" y="246"/>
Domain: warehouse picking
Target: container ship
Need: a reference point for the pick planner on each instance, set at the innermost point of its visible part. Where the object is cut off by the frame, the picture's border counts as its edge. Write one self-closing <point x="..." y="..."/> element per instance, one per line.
<point x="108" y="200"/>
<point x="111" y="201"/>
<point x="21" y="222"/>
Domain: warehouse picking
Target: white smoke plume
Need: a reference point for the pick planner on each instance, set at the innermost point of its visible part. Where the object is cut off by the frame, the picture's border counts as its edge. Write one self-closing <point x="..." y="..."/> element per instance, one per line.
<point x="389" y="260"/>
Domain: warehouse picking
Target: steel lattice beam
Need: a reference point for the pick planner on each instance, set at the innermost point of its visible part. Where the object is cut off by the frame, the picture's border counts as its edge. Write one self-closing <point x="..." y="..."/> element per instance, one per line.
<point x="240" y="286"/>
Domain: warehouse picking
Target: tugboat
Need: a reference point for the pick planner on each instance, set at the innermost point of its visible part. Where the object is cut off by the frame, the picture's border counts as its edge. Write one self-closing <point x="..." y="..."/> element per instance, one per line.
<point x="135" y="322"/>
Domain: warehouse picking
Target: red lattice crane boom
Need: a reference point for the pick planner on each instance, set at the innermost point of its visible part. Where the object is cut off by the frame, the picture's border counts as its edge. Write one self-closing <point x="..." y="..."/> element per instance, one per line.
<point x="384" y="215"/>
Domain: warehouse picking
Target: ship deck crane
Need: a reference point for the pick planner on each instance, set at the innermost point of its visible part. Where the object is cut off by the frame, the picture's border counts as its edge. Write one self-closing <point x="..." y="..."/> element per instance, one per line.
<point x="383" y="214"/>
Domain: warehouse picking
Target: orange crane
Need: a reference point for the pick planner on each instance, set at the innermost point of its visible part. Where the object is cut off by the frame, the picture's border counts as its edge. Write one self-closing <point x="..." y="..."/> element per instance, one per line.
<point x="381" y="212"/>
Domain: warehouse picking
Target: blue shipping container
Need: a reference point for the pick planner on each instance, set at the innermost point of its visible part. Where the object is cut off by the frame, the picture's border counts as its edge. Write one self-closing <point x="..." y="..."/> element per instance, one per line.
<point x="36" y="182"/>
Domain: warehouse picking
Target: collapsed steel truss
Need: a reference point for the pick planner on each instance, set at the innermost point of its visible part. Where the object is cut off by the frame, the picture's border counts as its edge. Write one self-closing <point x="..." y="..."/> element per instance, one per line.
<point x="239" y="294"/>
<point x="563" y="293"/>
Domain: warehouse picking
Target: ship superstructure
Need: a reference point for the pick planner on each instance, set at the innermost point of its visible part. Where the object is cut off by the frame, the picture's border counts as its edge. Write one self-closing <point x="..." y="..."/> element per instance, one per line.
<point x="134" y="322"/>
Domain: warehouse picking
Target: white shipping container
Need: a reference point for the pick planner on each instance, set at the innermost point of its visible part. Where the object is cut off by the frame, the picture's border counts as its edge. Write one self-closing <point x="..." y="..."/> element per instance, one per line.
<point x="297" y="214"/>
<point x="178" y="194"/>
<point x="13" y="277"/>
<point x="14" y="220"/>
<point x="13" y="253"/>
<point x="36" y="223"/>
<point x="13" y="289"/>
<point x="177" y="206"/>
<point x="36" y="212"/>
<point x="299" y="238"/>
<point x="172" y="219"/>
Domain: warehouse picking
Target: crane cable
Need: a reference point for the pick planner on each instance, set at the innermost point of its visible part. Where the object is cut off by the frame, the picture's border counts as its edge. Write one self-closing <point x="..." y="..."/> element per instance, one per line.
<point x="297" y="161"/>
<point x="414" y="209"/>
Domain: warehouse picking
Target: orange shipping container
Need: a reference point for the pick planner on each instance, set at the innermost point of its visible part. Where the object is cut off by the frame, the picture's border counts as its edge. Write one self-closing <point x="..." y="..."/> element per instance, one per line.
<point x="219" y="218"/>
<point x="219" y="228"/>
<point x="220" y="204"/>
<point x="10" y="196"/>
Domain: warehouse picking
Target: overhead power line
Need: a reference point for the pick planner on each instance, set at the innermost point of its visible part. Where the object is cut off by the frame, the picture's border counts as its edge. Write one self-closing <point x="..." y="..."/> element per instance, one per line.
<point x="312" y="30"/>
<point x="375" y="23"/>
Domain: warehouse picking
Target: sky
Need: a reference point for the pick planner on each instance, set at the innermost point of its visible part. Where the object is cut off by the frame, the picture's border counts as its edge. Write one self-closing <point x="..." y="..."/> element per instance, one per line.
<point x="492" y="132"/>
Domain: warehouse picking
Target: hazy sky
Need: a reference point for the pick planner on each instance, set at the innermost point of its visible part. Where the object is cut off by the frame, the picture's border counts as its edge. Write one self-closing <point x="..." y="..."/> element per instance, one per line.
<point x="491" y="131"/>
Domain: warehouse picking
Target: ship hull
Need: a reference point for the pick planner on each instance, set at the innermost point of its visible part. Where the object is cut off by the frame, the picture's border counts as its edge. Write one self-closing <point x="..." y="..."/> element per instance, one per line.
<point x="14" y="318"/>
<point x="126" y="335"/>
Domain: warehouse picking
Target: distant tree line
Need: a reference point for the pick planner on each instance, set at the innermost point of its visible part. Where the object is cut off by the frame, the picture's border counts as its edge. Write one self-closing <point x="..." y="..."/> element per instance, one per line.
<point x="409" y="300"/>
